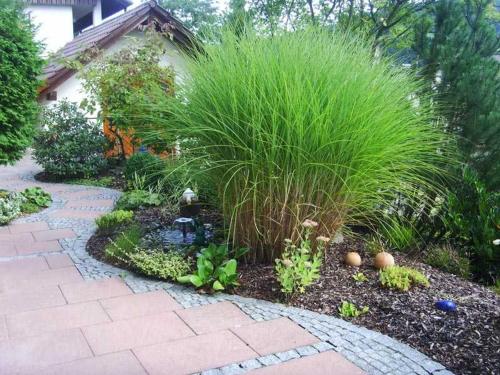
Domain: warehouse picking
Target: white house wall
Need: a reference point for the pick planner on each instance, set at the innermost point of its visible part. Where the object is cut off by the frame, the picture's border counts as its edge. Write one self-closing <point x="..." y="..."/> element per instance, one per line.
<point x="54" y="23"/>
<point x="72" y="90"/>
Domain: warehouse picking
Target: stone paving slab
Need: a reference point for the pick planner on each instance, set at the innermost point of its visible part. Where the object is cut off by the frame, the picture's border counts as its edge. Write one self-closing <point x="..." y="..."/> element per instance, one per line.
<point x="35" y="322"/>
<point x="132" y="333"/>
<point x="33" y="353"/>
<point x="275" y="335"/>
<point x="194" y="354"/>
<point x="12" y="303"/>
<point x="94" y="290"/>
<point x="216" y="317"/>
<point x="220" y="351"/>
<point x="135" y="305"/>
<point x="122" y="363"/>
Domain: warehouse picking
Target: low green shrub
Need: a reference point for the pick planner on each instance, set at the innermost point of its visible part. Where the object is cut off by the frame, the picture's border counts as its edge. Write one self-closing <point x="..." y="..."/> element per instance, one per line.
<point x="106" y="181"/>
<point x="145" y="165"/>
<point x="164" y="265"/>
<point x="132" y="200"/>
<point x="125" y="244"/>
<point x="10" y="206"/>
<point x="299" y="266"/>
<point x="36" y="195"/>
<point x="215" y="269"/>
<point x="398" y="235"/>
<point x="402" y="278"/>
<point x="448" y="260"/>
<point x="360" y="277"/>
<point x="374" y="245"/>
<point x="68" y="144"/>
<point x="349" y="310"/>
<point x="29" y="208"/>
<point x="113" y="220"/>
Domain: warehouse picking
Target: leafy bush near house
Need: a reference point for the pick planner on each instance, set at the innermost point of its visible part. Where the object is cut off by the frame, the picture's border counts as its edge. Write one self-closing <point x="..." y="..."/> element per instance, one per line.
<point x="165" y="265"/>
<point x="145" y="165"/>
<point x="68" y="144"/>
<point x="37" y="196"/>
<point x="215" y="268"/>
<point x="402" y="278"/>
<point x="111" y="221"/>
<point x="132" y="200"/>
<point x="349" y="310"/>
<point x="125" y="244"/>
<point x="303" y="124"/>
<point x="448" y="260"/>
<point x="119" y="82"/>
<point x="10" y="206"/>
<point x="20" y="68"/>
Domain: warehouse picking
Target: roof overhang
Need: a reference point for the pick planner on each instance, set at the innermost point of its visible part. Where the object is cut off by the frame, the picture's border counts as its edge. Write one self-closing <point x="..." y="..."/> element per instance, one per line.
<point x="147" y="12"/>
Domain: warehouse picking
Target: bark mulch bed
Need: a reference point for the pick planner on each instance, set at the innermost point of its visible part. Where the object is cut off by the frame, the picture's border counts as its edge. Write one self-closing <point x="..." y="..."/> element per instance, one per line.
<point x="466" y="342"/>
<point x="149" y="219"/>
<point x="113" y="177"/>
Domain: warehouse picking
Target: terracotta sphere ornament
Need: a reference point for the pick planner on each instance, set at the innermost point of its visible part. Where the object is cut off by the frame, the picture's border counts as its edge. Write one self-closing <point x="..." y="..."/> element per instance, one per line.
<point x="353" y="259"/>
<point x="383" y="260"/>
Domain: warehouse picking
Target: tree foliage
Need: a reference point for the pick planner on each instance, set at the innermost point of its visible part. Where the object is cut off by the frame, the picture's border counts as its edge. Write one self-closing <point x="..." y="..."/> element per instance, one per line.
<point x="199" y="16"/>
<point x="20" y="66"/>
<point x="456" y="43"/>
<point x="119" y="82"/>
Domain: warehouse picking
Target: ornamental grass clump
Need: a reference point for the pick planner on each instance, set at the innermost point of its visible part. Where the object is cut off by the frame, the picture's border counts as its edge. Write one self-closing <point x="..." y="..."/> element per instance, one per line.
<point x="301" y="125"/>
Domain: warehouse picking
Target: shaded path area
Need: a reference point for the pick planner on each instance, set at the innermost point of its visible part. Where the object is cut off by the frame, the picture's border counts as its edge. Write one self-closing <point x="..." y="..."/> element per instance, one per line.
<point x="63" y="312"/>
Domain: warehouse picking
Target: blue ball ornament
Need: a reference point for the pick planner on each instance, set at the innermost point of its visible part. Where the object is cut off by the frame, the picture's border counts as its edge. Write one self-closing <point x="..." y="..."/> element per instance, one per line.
<point x="446" y="305"/>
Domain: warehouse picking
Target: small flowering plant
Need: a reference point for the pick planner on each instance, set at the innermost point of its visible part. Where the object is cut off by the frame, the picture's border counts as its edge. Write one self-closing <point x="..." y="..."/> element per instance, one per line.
<point x="299" y="265"/>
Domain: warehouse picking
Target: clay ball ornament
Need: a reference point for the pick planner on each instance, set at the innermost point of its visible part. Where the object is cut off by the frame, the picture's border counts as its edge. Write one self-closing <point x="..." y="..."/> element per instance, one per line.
<point x="446" y="305"/>
<point x="353" y="259"/>
<point x="383" y="260"/>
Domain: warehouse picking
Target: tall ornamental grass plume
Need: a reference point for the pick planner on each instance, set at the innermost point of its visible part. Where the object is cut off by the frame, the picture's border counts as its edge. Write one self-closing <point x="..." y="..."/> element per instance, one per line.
<point x="304" y="125"/>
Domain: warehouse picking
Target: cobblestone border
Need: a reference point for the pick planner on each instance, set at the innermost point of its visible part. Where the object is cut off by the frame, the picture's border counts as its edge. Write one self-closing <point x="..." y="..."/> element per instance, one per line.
<point x="372" y="351"/>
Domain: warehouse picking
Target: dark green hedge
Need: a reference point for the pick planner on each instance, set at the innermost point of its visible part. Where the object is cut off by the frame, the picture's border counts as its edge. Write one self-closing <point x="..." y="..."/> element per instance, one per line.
<point x="20" y="66"/>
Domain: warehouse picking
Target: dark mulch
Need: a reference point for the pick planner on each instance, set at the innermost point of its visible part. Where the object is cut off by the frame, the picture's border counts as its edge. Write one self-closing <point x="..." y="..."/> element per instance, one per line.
<point x="118" y="181"/>
<point x="150" y="218"/>
<point x="466" y="342"/>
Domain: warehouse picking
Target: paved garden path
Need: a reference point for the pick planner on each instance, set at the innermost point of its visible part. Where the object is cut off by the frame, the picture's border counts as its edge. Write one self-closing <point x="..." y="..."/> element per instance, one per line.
<point x="63" y="312"/>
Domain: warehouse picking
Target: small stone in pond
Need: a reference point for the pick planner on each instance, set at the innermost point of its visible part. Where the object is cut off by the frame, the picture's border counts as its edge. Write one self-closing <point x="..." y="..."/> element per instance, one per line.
<point x="446" y="305"/>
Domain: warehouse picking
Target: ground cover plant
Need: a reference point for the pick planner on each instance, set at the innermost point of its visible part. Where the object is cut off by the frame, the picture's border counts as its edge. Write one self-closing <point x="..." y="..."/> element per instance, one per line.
<point x="29" y="201"/>
<point x="302" y="125"/>
<point x="134" y="199"/>
<point x="111" y="221"/>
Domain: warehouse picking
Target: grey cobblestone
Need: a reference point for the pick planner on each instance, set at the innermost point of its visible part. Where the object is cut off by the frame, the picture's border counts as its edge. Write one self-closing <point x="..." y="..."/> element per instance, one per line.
<point x="373" y="352"/>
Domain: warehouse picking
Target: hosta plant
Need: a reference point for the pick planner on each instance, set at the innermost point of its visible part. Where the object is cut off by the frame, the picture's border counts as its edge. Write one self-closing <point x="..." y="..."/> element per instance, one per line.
<point x="36" y="195"/>
<point x="216" y="269"/>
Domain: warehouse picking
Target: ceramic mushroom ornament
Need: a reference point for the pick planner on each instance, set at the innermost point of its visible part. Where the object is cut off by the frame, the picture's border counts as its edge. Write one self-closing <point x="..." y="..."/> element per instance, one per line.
<point x="383" y="260"/>
<point x="353" y="259"/>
